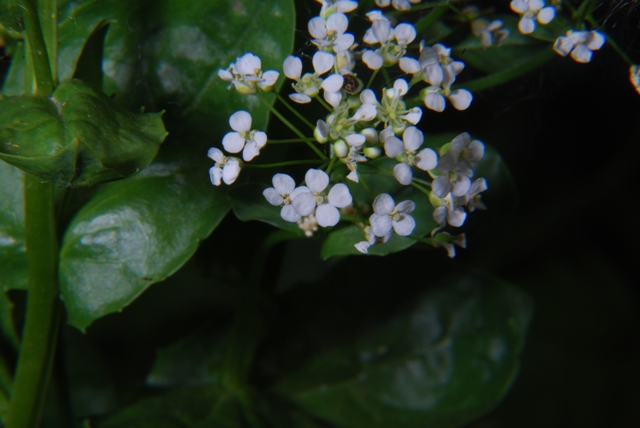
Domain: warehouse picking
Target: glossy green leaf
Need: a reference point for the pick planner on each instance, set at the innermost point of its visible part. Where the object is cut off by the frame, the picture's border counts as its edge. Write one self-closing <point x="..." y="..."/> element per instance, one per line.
<point x="89" y="65"/>
<point x="134" y="233"/>
<point x="78" y="137"/>
<point x="13" y="258"/>
<point x="249" y="204"/>
<point x="447" y="360"/>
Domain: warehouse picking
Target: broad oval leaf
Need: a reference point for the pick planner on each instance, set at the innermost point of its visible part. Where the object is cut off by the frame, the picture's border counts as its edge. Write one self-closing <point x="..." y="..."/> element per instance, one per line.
<point x="447" y="361"/>
<point x="78" y="137"/>
<point x="134" y="233"/>
<point x="13" y="256"/>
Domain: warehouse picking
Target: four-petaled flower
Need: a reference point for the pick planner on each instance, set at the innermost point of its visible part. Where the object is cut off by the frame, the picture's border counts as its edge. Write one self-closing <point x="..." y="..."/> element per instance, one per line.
<point x="246" y="75"/>
<point x="531" y="11"/>
<point x="455" y="166"/>
<point x="226" y="168"/>
<point x="412" y="138"/>
<point x="327" y="213"/>
<point x="387" y="216"/>
<point x="579" y="44"/>
<point x="282" y="194"/>
<point x="250" y="142"/>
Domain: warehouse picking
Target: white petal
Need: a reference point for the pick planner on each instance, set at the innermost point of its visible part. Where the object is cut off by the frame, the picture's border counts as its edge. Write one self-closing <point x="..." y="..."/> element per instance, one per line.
<point x="393" y="147"/>
<point x="260" y="139"/>
<point x="405" y="33"/>
<point x="225" y="75"/>
<point x="240" y="121"/>
<point x="427" y="159"/>
<point x="365" y="113"/>
<point x="413" y="138"/>
<point x="339" y="196"/>
<point x="283" y="184"/>
<point x="536" y="4"/>
<point x="372" y="59"/>
<point x="346" y="5"/>
<point x="382" y="30"/>
<point x="405" y="207"/>
<point x="317" y="180"/>
<point x="272" y="196"/>
<point x="595" y="41"/>
<point x="215" y="154"/>
<point x="304" y="203"/>
<point x="546" y="15"/>
<point x="461" y="186"/>
<point x="327" y="215"/>
<point x="383" y="204"/>
<point x="380" y="224"/>
<point x="581" y="54"/>
<point x="519" y="6"/>
<point x="269" y="78"/>
<point x="333" y="98"/>
<point x="363" y="247"/>
<point x="322" y="62"/>
<point x="368" y="97"/>
<point x="338" y="23"/>
<point x="343" y="42"/>
<point x="300" y="98"/>
<point x="434" y="101"/>
<point x="333" y="83"/>
<point x="355" y="140"/>
<point x="298" y="191"/>
<point x="231" y="171"/>
<point x="248" y="64"/>
<point x="289" y="213"/>
<point x="475" y="152"/>
<point x="456" y="217"/>
<point x="414" y="115"/>
<point x="251" y="150"/>
<point x="441" y="186"/>
<point x="401" y="86"/>
<point x="402" y="173"/>
<point x="563" y="46"/>
<point x="460" y="99"/>
<point x="434" y="75"/>
<point x="317" y="28"/>
<point x="292" y="67"/>
<point x="526" y="25"/>
<point x="215" y="174"/>
<point x="410" y="65"/>
<point x="233" y="142"/>
<point x="404" y="225"/>
<point x="440" y="215"/>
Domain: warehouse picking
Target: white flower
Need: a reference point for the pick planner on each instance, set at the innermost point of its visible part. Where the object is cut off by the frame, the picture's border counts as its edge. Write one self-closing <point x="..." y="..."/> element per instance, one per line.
<point x="530" y="11"/>
<point x="434" y="98"/>
<point x="387" y="215"/>
<point x="282" y="194"/>
<point x="472" y="199"/>
<point x="490" y="33"/>
<point x="455" y="166"/>
<point x="250" y="142"/>
<point x="397" y="4"/>
<point x="413" y="138"/>
<point x="310" y="84"/>
<point x="329" y="34"/>
<point x="370" y="239"/>
<point x="332" y="6"/>
<point x="226" y="169"/>
<point x="246" y="75"/>
<point x="448" y="212"/>
<point x="437" y="66"/>
<point x="393" y="42"/>
<point x="327" y="213"/>
<point x="446" y="241"/>
<point x="579" y="44"/>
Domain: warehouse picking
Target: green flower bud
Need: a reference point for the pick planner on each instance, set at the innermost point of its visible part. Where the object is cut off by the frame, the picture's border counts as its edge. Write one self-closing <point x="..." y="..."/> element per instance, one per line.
<point x="78" y="137"/>
<point x="372" y="152"/>
<point x="341" y="148"/>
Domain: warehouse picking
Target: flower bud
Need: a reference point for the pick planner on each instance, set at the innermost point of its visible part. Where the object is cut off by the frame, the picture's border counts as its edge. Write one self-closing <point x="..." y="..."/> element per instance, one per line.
<point x="372" y="152"/>
<point x="341" y="148"/>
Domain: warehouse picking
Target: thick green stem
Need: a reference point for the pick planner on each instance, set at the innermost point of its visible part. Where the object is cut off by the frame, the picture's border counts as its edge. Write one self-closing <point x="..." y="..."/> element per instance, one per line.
<point x="39" y="51"/>
<point x="41" y="324"/>
<point x="48" y="13"/>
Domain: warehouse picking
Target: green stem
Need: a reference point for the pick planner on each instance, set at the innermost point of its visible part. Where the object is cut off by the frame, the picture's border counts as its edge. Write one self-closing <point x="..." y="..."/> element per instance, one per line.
<point x="422" y="189"/>
<point x="432" y="17"/>
<point x="373" y="76"/>
<point x="610" y="40"/>
<point x="48" y="12"/>
<point x="294" y="111"/>
<point x="249" y="325"/>
<point x="281" y="164"/>
<point x="292" y="140"/>
<point x="324" y="104"/>
<point x="292" y="127"/>
<point x="39" y="52"/>
<point x="43" y="307"/>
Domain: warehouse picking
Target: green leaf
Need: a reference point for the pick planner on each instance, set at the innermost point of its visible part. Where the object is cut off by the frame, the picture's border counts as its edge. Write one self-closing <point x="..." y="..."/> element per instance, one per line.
<point x="5" y="388"/>
<point x="134" y="233"/>
<point x="78" y="137"/>
<point x="446" y="361"/>
<point x="13" y="257"/>
<point x="89" y="65"/>
<point x="193" y="361"/>
<point x="249" y="203"/>
<point x="513" y="51"/>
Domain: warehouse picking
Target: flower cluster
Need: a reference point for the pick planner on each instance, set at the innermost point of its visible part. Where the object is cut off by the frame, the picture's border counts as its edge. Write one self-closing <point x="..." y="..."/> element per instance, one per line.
<point x="361" y="125"/>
